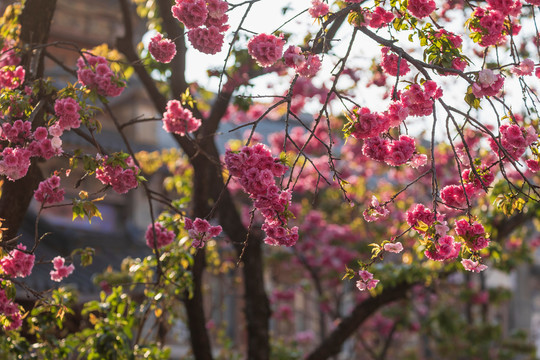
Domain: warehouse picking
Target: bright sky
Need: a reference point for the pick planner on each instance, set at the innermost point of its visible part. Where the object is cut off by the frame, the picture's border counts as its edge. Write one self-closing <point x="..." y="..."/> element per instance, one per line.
<point x="265" y="16"/>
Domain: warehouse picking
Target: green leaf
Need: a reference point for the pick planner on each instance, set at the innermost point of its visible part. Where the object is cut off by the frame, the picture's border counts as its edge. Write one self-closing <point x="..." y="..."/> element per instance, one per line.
<point x="472" y="100"/>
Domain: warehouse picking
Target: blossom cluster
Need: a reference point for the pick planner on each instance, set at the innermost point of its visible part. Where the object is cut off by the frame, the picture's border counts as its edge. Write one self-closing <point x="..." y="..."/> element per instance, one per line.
<point x="488" y="83"/>
<point x="11" y="311"/>
<point x="390" y="62"/>
<point x="163" y="50"/>
<point x="421" y="8"/>
<point x="525" y="68"/>
<point x="60" y="271"/>
<point x="23" y="144"/>
<point x="94" y="73"/>
<point x="374" y="18"/>
<point x="67" y="112"/>
<point x="473" y="234"/>
<point x="514" y="139"/>
<point x="415" y="101"/>
<point x="43" y="145"/>
<point x="121" y="178"/>
<point x="393" y="247"/>
<point x="163" y="236"/>
<point x="49" y="191"/>
<point x="256" y="170"/>
<point x="444" y="248"/>
<point x="375" y="211"/>
<point x="473" y="265"/>
<point x="206" y="21"/>
<point x="367" y="124"/>
<point x="179" y="120"/>
<point x="420" y="214"/>
<point x="305" y="65"/>
<point x="318" y="9"/>
<point x="392" y="152"/>
<point x="321" y="245"/>
<point x="266" y="49"/>
<point x="200" y="231"/>
<point x="366" y="282"/>
<point x="8" y="56"/>
<point x="18" y="263"/>
<point x="474" y="184"/>
<point x="11" y="74"/>
<point x="16" y="133"/>
<point x="15" y="162"/>
<point x="11" y="77"/>
<point x="420" y="102"/>
<point x="439" y="245"/>
<point x="490" y="25"/>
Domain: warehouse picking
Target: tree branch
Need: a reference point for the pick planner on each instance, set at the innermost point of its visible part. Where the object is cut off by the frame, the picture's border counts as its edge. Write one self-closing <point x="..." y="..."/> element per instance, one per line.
<point x="332" y="344"/>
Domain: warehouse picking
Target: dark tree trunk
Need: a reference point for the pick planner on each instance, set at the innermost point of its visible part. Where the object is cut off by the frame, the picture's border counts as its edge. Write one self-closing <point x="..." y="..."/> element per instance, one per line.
<point x="208" y="180"/>
<point x="35" y="21"/>
<point x="200" y="341"/>
<point x="208" y="188"/>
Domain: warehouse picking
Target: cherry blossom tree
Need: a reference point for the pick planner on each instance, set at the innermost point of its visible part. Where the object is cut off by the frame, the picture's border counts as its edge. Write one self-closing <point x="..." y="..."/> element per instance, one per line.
<point x="407" y="152"/>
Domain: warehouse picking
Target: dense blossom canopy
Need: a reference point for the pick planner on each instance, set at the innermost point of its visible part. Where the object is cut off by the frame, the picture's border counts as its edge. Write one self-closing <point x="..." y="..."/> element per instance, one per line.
<point x="407" y="148"/>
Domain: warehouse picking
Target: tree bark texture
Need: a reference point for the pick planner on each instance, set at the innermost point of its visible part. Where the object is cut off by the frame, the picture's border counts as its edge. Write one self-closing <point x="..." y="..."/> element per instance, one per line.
<point x="35" y="21"/>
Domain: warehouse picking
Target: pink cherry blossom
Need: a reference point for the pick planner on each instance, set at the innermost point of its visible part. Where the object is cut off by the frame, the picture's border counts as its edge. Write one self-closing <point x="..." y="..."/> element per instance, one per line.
<point x="533" y="165"/>
<point x="49" y="191"/>
<point x="255" y="169"/>
<point x="489" y="24"/>
<point x="389" y="63"/>
<point x="163" y="50"/>
<point x="488" y="83"/>
<point x="421" y="8"/>
<point x="18" y="263"/>
<point x="15" y="162"/>
<point x="375" y="211"/>
<point x="444" y="248"/>
<point x="67" y="112"/>
<point x="318" y="8"/>
<point x="366" y="282"/>
<point x="179" y="120"/>
<point x="400" y="151"/>
<point x="163" y="236"/>
<point x="419" y="213"/>
<point x="11" y="311"/>
<point x="94" y="73"/>
<point x="206" y="40"/>
<point x="310" y="67"/>
<point x="473" y="234"/>
<point x="292" y="57"/>
<point x="380" y="17"/>
<point x="192" y="13"/>
<point x="420" y="102"/>
<point x="393" y="247"/>
<point x="474" y="266"/>
<point x="60" y="271"/>
<point x="121" y="179"/>
<point x="526" y="67"/>
<point x="266" y="49"/>
<point x="200" y="231"/>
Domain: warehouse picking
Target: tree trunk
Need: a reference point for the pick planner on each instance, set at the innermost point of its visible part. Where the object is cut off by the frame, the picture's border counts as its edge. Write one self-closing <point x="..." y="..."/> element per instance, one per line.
<point x="35" y="21"/>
